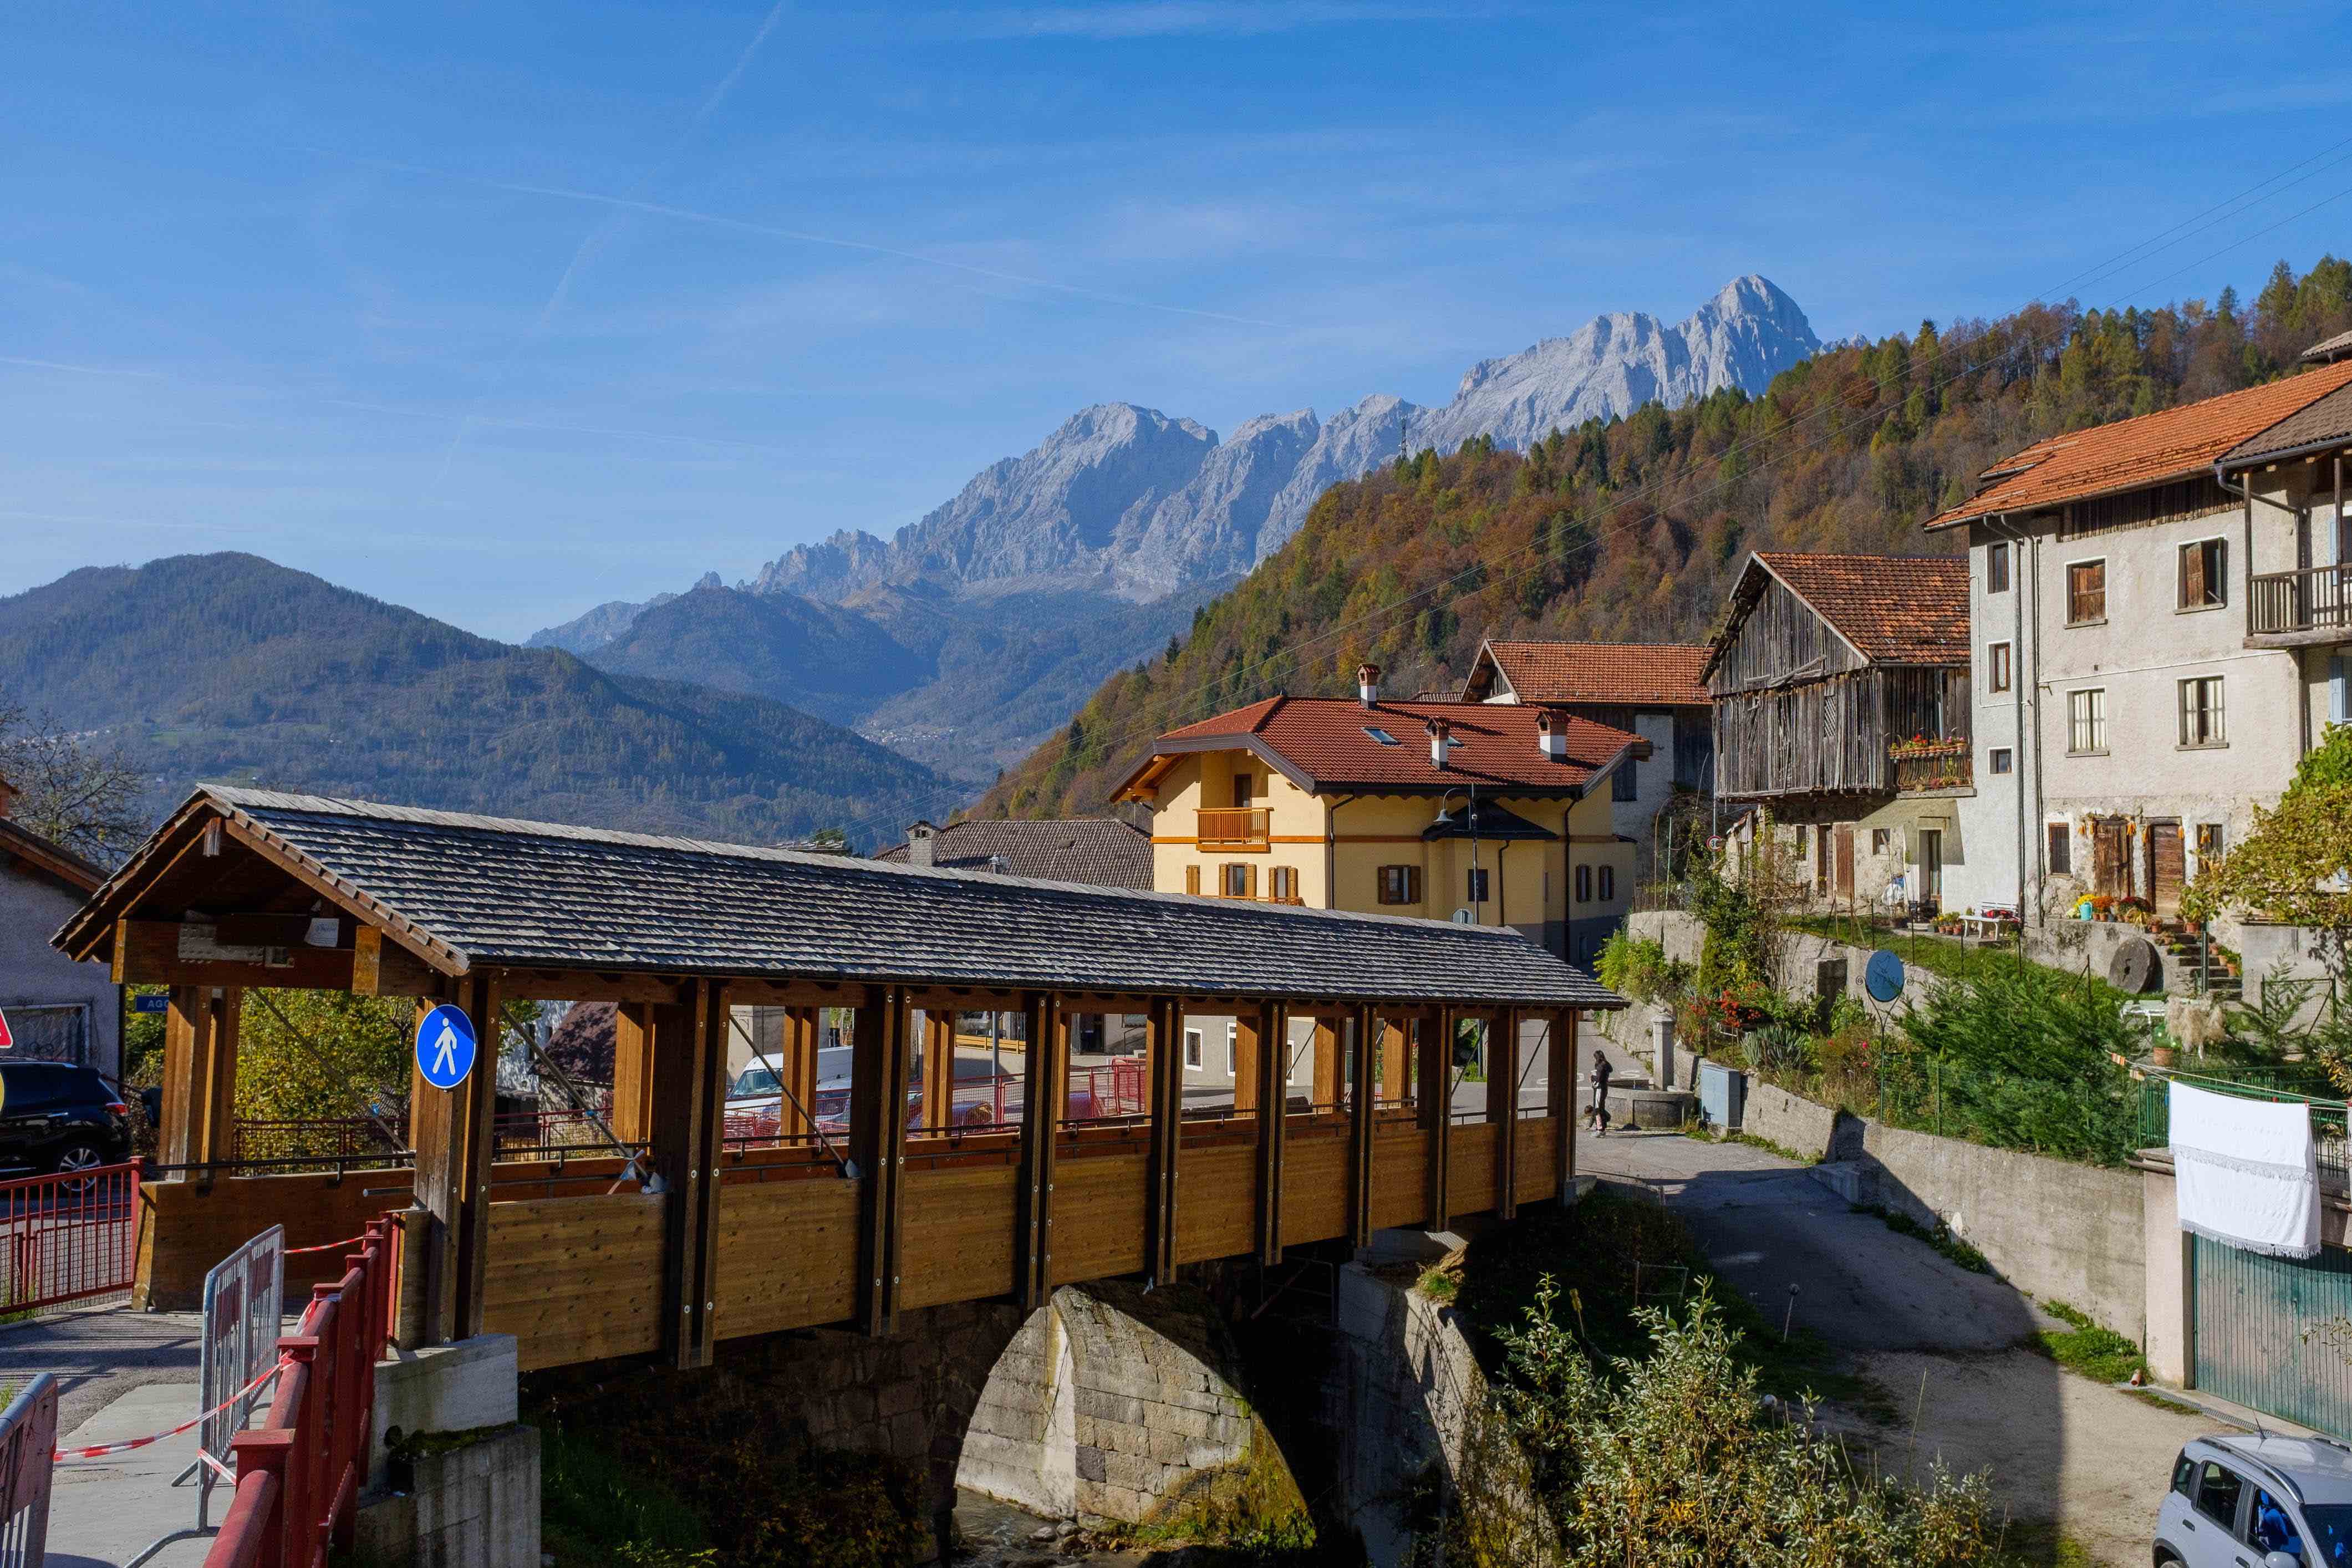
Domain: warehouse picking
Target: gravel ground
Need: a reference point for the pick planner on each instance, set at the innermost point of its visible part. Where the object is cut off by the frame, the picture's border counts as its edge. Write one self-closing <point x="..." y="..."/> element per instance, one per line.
<point x="1937" y="1339"/>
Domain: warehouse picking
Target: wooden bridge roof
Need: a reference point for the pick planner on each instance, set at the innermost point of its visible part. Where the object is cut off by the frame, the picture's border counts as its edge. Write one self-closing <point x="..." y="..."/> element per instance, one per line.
<point x="464" y="893"/>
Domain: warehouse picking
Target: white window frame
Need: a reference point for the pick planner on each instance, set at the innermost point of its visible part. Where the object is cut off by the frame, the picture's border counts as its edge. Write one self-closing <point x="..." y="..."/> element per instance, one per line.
<point x="1195" y="1050"/>
<point x="1233" y="1033"/>
<point x="2220" y="739"/>
<point x="1995" y="758"/>
<point x="2066" y="587"/>
<point x="2099" y="722"/>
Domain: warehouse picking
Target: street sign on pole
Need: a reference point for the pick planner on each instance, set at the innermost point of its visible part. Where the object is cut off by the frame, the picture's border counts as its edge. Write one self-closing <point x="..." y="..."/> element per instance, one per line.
<point x="446" y="1047"/>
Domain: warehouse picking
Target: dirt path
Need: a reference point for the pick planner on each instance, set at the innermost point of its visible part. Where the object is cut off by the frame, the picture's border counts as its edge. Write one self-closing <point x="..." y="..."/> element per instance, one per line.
<point x="2089" y="1460"/>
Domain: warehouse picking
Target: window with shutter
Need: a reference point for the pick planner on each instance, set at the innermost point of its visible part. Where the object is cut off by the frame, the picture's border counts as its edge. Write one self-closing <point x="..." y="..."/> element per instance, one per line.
<point x="2086" y="593"/>
<point x="2062" y="850"/>
<point x="1191" y="878"/>
<point x="2202" y="576"/>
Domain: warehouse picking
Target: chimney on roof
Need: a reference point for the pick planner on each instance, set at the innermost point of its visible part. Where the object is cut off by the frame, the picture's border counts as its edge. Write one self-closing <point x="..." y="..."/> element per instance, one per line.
<point x="1551" y="735"/>
<point x="1368" y="684"/>
<point x="1440" y="737"/>
<point x="922" y="839"/>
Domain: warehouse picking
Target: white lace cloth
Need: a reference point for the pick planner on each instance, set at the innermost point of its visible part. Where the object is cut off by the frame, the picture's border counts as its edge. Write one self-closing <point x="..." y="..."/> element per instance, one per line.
<point x="2246" y="1171"/>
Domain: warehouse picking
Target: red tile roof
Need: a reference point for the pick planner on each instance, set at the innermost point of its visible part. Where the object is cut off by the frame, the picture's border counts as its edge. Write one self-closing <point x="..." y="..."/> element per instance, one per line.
<point x="1614" y="673"/>
<point x="2132" y="453"/>
<point x="1324" y="742"/>
<point x="1896" y="609"/>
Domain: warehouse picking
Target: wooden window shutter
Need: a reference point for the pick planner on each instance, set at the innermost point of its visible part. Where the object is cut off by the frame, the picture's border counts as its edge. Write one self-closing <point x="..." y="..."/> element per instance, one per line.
<point x="1249" y="881"/>
<point x="1191" y="878"/>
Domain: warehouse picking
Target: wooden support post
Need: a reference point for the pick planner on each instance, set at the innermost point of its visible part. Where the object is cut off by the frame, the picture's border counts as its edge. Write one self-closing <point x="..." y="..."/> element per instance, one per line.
<point x="1396" y="1067"/>
<point x="1360" y="1081"/>
<point x="1247" y="1048"/>
<point x="1503" y="1107"/>
<point x="689" y="1100"/>
<point x="938" y="1072"/>
<point x="1045" y="1086"/>
<point x="879" y="1145"/>
<point x="1327" y="1064"/>
<point x="1562" y="1073"/>
<point x="796" y="1069"/>
<point x="200" y="1044"/>
<point x="451" y="1130"/>
<point x="633" y="1072"/>
<point x="1270" y="1027"/>
<point x="1438" y="1112"/>
<point x="1164" y="1062"/>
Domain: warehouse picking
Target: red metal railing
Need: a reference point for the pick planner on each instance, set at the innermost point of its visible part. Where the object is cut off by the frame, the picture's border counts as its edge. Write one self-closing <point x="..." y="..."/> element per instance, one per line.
<point x="73" y="1237"/>
<point x="298" y="1474"/>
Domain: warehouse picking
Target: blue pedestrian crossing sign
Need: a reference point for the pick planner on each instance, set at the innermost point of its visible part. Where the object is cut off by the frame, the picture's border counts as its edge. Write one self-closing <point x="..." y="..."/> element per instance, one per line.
<point x="444" y="1047"/>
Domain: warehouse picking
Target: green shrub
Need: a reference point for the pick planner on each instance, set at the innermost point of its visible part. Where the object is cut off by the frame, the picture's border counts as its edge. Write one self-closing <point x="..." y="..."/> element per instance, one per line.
<point x="1673" y="1457"/>
<point x="1638" y="969"/>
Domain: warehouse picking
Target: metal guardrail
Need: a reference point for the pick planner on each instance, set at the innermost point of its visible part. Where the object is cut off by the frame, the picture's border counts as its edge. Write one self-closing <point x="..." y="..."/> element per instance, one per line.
<point x="2331" y="1120"/>
<point x="28" y="1441"/>
<point x="298" y="1474"/>
<point x="67" y="1238"/>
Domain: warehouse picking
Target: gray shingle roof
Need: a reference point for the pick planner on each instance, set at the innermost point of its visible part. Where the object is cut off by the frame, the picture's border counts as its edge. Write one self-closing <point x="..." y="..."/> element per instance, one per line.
<point x="2326" y="421"/>
<point x="1100" y="851"/>
<point x="540" y="895"/>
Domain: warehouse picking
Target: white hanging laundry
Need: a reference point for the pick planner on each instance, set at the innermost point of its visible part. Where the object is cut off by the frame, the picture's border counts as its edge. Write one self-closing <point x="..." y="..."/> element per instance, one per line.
<point x="2246" y="1171"/>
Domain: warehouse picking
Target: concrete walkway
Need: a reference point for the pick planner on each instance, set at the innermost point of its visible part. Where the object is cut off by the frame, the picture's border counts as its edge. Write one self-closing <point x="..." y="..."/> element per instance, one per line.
<point x="1936" y="1339"/>
<point x="124" y="1375"/>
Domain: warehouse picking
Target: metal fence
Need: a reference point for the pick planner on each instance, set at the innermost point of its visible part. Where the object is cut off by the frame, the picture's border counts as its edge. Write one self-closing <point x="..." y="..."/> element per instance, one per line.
<point x="67" y="1239"/>
<point x="2279" y="1085"/>
<point x="28" y="1442"/>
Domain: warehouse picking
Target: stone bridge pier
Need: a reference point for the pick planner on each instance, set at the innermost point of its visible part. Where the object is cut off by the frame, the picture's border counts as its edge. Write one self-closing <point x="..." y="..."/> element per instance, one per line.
<point x="1110" y="1404"/>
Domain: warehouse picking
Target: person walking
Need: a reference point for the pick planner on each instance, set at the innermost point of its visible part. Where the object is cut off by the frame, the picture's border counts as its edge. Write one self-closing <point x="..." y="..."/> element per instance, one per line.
<point x="1596" y="1115"/>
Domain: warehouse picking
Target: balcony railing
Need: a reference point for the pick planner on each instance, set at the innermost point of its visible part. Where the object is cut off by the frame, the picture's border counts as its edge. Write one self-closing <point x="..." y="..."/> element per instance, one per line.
<point x="2313" y="599"/>
<point x="1233" y="827"/>
<point x="1932" y="765"/>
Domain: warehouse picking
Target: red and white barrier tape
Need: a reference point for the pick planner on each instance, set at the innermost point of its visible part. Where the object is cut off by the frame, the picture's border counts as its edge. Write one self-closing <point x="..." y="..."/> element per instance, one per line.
<point x="99" y="1450"/>
<point x="326" y="1245"/>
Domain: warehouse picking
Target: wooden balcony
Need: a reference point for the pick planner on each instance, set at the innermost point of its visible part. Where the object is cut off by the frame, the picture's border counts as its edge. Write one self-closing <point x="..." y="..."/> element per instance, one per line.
<point x="1921" y="766"/>
<point x="2298" y="609"/>
<point x="1233" y="827"/>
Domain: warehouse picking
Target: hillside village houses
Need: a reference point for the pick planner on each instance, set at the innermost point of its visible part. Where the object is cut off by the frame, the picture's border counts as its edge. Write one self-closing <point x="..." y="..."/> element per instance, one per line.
<point x="1494" y="814"/>
<point x="1841" y="689"/>
<point x="1650" y="689"/>
<point x="2160" y="634"/>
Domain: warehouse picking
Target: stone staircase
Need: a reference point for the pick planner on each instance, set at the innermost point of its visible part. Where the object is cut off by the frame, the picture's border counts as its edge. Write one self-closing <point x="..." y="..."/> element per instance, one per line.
<point x="2181" y="952"/>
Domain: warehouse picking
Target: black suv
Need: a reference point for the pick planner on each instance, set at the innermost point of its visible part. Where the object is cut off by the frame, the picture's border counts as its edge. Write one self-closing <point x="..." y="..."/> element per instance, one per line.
<point x="56" y="1117"/>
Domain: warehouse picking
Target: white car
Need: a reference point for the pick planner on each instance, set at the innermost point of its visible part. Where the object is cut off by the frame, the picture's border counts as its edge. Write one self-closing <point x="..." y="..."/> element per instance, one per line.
<point x="2266" y="1501"/>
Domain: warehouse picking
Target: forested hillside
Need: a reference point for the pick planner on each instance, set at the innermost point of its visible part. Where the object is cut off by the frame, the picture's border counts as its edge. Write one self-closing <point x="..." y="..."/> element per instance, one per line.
<point x="230" y="667"/>
<point x="1632" y="530"/>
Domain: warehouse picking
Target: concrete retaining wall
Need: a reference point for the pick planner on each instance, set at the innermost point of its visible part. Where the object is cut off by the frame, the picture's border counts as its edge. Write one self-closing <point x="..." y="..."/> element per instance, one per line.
<point x="2053" y="1228"/>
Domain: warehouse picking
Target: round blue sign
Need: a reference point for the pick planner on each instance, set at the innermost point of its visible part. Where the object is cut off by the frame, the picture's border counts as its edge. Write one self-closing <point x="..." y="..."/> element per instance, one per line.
<point x="444" y="1047"/>
<point x="1883" y="975"/>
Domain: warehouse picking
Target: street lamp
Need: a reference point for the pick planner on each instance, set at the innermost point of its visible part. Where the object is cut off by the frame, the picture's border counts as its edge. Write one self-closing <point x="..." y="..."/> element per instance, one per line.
<point x="1471" y="810"/>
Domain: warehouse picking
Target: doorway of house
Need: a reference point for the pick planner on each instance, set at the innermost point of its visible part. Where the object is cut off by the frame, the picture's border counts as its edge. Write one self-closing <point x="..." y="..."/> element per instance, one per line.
<point x="2167" y="867"/>
<point x="1845" y="863"/>
<point x="1931" y="866"/>
<point x="2110" y="858"/>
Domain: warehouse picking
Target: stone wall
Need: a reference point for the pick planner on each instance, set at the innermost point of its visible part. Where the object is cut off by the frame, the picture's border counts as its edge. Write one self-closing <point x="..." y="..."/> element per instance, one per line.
<point x="2052" y="1227"/>
<point x="1116" y="1405"/>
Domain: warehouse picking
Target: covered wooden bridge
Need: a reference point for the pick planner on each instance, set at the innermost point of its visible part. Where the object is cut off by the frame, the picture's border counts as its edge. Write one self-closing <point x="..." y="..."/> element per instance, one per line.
<point x="708" y="1235"/>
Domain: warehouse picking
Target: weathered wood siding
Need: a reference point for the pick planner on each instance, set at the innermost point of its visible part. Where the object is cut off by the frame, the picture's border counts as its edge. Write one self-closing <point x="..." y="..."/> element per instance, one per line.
<point x="1780" y="640"/>
<point x="1832" y="735"/>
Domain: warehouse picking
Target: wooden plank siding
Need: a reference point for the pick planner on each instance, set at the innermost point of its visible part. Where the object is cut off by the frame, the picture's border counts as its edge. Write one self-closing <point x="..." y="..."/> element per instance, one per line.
<point x="787" y="1254"/>
<point x="1315" y="1187"/>
<point x="1401" y="1176"/>
<point x="959" y="1231"/>
<point x="1538" y="1165"/>
<point x="1099" y="1206"/>
<point x="1470" y="1168"/>
<point x="575" y="1279"/>
<point x="1216" y="1209"/>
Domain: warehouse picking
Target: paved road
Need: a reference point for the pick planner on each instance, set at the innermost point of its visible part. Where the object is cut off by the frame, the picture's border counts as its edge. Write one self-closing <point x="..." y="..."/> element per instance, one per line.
<point x="1934" y="1337"/>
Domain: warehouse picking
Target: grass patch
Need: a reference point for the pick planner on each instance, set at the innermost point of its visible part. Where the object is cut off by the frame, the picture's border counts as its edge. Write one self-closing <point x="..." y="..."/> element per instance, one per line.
<point x="2039" y="1545"/>
<point x="1711" y="1135"/>
<point x="1939" y="1236"/>
<point x="597" y="1511"/>
<point x="1438" y="1283"/>
<point x="2098" y="1354"/>
<point x="1942" y="956"/>
<point x="1612" y="1252"/>
<point x="2159" y="1402"/>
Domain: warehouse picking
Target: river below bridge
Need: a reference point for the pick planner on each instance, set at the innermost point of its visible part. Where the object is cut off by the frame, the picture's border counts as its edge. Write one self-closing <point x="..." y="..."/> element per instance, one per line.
<point x="997" y="1533"/>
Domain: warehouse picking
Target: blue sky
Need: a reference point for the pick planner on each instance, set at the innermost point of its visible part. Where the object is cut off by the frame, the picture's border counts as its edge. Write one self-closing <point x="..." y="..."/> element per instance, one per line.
<point x="500" y="312"/>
